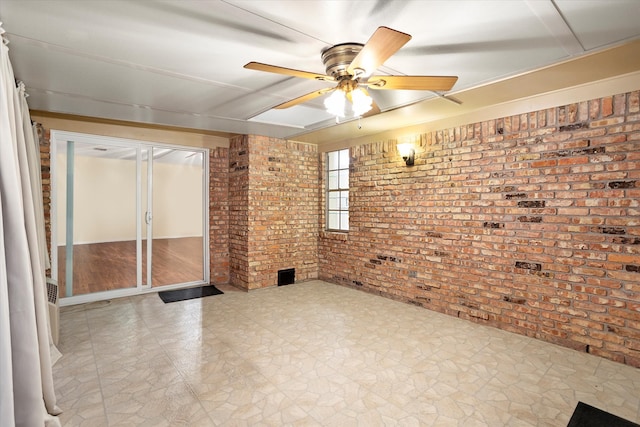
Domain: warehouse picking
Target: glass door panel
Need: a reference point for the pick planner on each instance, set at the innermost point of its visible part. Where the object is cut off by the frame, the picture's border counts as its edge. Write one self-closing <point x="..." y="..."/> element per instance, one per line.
<point x="177" y="222"/>
<point x="96" y="211"/>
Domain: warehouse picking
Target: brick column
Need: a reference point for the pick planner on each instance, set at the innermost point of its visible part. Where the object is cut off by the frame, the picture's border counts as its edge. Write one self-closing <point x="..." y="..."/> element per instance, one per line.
<point x="219" y="215"/>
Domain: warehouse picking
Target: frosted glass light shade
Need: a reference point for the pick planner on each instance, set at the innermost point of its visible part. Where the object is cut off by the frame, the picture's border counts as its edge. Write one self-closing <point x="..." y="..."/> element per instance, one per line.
<point x="335" y="103"/>
<point x="362" y="103"/>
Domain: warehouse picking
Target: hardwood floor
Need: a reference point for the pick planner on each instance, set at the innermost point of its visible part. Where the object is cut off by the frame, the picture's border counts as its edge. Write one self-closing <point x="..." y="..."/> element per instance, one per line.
<point x="112" y="265"/>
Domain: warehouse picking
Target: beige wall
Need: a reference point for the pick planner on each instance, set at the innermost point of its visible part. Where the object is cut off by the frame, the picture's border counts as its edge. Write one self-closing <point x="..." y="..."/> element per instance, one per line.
<point x="177" y="200"/>
<point x="105" y="200"/>
<point x="106" y="181"/>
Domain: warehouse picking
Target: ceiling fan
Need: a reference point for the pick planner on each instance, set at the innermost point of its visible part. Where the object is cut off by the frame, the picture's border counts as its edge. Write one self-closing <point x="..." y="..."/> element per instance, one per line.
<point x="352" y="65"/>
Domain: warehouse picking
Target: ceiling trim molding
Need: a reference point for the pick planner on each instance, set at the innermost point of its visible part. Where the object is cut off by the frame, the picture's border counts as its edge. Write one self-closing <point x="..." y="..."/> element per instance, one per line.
<point x="79" y="118"/>
<point x="133" y="130"/>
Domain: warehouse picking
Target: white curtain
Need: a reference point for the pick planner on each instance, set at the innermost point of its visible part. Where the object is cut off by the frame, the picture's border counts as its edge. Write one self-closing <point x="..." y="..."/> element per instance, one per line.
<point x="27" y="396"/>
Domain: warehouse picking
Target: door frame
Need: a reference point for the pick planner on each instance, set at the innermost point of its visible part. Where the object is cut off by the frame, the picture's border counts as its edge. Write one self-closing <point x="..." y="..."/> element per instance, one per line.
<point x="58" y="136"/>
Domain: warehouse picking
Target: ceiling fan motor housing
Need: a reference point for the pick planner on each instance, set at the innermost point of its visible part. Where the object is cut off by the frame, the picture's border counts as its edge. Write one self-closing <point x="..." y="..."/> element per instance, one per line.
<point x="337" y="59"/>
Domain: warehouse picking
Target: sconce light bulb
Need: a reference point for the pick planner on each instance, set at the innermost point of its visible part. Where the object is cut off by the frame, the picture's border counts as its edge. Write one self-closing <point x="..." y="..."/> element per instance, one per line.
<point x="407" y="152"/>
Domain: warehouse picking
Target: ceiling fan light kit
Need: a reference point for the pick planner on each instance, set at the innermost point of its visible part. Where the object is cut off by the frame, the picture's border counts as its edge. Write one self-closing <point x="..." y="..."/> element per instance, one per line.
<point x="347" y="89"/>
<point x="352" y="65"/>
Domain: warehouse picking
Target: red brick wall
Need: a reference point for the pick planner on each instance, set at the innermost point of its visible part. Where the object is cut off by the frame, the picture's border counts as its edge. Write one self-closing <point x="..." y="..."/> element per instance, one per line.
<point x="219" y="215"/>
<point x="283" y="210"/>
<point x="45" y="170"/>
<point x="238" y="197"/>
<point x="529" y="223"/>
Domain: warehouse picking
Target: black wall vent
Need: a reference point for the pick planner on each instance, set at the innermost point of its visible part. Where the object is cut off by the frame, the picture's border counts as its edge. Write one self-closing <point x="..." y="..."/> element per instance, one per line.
<point x="287" y="276"/>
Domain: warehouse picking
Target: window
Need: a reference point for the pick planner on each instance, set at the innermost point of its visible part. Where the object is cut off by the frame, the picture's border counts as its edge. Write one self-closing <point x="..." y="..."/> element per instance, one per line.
<point x="338" y="190"/>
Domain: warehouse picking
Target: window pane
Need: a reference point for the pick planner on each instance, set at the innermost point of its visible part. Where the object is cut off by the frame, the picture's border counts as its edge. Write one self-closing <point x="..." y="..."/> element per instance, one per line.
<point x="344" y="220"/>
<point x="338" y="190"/>
<point x="344" y="178"/>
<point x="333" y="180"/>
<point x="334" y="200"/>
<point x="333" y="160"/>
<point x="334" y="220"/>
<point x="344" y="159"/>
<point x="344" y="200"/>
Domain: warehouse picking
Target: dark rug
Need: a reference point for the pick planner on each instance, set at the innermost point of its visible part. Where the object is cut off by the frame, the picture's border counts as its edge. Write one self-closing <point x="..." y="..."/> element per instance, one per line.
<point x="589" y="416"/>
<point x="189" y="293"/>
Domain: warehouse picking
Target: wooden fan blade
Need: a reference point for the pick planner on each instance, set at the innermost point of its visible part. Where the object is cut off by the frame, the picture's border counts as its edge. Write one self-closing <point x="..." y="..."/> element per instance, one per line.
<point x="435" y="83"/>
<point x="303" y="98"/>
<point x="287" y="71"/>
<point x="382" y="44"/>
<point x="374" y="110"/>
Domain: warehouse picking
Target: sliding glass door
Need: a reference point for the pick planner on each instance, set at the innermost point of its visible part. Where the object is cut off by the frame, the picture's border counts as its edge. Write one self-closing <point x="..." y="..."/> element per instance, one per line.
<point x="177" y="217"/>
<point x="129" y="216"/>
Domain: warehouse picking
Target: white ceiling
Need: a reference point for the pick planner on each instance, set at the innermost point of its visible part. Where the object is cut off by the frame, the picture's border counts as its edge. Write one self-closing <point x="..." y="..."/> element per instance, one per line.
<point x="180" y="63"/>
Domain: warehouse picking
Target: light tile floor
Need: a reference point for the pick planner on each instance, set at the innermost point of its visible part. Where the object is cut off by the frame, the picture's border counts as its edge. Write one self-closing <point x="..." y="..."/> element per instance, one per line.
<point x="314" y="353"/>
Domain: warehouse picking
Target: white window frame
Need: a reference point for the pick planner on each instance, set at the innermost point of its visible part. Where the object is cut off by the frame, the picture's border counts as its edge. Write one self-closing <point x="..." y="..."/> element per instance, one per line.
<point x="337" y="194"/>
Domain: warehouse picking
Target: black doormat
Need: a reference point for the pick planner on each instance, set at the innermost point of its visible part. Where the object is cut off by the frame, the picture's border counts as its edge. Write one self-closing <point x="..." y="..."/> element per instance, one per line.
<point x="189" y="293"/>
<point x="589" y="416"/>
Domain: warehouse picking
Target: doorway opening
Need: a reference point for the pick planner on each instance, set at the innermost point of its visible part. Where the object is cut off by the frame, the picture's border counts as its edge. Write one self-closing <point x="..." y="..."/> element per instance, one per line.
<point x="127" y="216"/>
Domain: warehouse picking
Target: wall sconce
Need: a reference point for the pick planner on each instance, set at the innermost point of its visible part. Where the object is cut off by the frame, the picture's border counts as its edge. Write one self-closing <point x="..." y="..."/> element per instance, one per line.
<point x="407" y="152"/>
